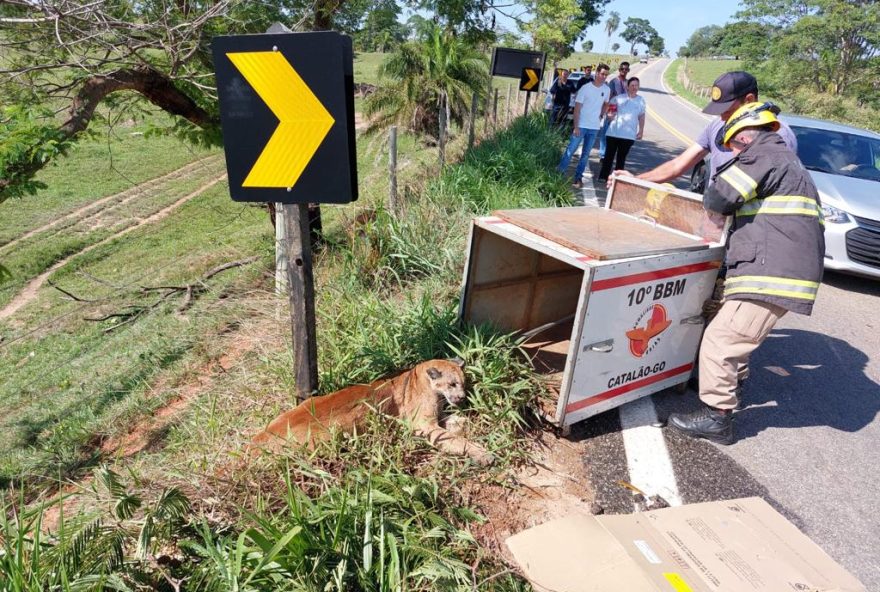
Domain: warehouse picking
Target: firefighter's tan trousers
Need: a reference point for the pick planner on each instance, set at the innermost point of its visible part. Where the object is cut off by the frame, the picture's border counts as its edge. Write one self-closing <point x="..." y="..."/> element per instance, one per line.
<point x="738" y="329"/>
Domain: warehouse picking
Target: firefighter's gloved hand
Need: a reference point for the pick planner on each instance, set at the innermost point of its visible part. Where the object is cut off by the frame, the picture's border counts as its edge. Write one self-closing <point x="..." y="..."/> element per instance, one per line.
<point x="713" y="304"/>
<point x="711" y="308"/>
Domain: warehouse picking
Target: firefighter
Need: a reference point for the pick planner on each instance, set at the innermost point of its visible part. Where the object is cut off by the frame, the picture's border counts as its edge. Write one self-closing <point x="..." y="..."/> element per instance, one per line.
<point x="774" y="259"/>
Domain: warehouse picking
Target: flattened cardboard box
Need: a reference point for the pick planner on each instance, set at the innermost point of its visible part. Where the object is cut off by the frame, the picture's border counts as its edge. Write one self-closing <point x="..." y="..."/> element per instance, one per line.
<point x="740" y="545"/>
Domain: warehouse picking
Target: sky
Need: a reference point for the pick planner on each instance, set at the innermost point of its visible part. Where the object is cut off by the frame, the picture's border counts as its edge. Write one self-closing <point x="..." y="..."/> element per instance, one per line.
<point x="675" y="20"/>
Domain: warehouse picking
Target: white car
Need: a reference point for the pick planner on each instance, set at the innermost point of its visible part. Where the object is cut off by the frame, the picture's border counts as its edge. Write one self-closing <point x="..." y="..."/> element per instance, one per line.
<point x="844" y="163"/>
<point x="573" y="78"/>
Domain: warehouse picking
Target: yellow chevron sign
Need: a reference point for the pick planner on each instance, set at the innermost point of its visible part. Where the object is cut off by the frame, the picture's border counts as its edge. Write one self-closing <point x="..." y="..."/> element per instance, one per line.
<point x="303" y="121"/>
<point x="530" y="79"/>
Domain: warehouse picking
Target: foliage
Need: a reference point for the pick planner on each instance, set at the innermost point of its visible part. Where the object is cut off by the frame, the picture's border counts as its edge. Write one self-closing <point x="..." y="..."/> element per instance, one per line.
<point x="512" y="170"/>
<point x="638" y="30"/>
<point x="27" y="142"/>
<point x="119" y="549"/>
<point x="422" y="77"/>
<point x="379" y="531"/>
<point x="555" y="26"/>
<point x="656" y="45"/>
<point x="381" y="30"/>
<point x="831" y="46"/>
<point x="611" y="25"/>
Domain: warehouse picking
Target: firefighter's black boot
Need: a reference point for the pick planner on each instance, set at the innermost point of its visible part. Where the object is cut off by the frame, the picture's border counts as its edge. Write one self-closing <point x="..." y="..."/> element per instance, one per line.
<point x="709" y="423"/>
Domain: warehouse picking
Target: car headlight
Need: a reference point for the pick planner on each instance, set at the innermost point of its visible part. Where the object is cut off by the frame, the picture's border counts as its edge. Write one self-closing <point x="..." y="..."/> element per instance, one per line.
<point x="834" y="215"/>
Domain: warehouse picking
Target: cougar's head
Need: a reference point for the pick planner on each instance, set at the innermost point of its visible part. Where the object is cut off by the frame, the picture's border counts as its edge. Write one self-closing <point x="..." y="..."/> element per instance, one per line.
<point x="446" y="379"/>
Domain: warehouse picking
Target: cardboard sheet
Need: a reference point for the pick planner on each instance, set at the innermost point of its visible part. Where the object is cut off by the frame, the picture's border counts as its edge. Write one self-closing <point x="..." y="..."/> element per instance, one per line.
<point x="739" y="545"/>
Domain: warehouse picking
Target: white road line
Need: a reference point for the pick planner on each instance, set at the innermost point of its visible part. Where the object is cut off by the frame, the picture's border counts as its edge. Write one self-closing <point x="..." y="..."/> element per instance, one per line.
<point x="649" y="466"/>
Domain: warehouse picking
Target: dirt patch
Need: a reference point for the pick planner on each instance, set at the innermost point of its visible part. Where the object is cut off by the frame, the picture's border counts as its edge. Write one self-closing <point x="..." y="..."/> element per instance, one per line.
<point x="148" y="432"/>
<point x="554" y="485"/>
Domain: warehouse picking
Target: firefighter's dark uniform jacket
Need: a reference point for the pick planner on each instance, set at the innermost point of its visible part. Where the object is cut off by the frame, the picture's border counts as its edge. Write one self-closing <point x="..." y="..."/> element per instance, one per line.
<point x="776" y="246"/>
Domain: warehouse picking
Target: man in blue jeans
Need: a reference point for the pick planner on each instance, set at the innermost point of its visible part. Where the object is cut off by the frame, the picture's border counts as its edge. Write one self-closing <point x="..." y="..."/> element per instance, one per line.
<point x="589" y="108"/>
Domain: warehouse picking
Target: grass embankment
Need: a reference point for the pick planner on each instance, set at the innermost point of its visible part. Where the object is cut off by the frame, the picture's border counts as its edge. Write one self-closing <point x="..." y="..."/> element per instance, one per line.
<point x="803" y="101"/>
<point x="169" y="391"/>
<point x="701" y="73"/>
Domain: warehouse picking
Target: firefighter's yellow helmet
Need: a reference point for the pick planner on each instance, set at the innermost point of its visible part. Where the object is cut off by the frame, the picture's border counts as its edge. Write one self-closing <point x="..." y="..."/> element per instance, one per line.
<point x="751" y="115"/>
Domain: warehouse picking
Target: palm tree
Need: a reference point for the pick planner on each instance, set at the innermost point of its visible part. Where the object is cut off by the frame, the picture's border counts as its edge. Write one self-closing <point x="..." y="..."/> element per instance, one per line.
<point x="421" y="78"/>
<point x="611" y="26"/>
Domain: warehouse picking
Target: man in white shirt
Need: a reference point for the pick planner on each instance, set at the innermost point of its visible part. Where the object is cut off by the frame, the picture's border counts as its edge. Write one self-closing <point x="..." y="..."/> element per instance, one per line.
<point x="589" y="108"/>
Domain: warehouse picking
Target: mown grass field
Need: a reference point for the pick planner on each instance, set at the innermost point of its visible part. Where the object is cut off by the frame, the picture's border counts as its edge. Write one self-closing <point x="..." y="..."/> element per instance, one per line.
<point x="700" y="72"/>
<point x="133" y="358"/>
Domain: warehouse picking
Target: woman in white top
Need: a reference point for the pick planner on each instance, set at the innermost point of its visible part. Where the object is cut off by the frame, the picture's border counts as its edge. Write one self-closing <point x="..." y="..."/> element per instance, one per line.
<point x="627" y="126"/>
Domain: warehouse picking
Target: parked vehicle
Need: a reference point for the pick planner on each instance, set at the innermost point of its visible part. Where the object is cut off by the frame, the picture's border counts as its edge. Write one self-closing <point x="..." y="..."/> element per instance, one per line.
<point x="844" y="162"/>
<point x="574" y="78"/>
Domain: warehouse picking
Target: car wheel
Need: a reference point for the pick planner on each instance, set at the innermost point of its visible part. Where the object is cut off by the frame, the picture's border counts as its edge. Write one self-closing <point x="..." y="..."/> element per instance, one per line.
<point x="698" y="178"/>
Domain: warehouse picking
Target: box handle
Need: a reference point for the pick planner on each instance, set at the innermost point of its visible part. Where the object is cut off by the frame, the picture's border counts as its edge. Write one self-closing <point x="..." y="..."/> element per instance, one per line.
<point x="603" y="347"/>
<point x="694" y="320"/>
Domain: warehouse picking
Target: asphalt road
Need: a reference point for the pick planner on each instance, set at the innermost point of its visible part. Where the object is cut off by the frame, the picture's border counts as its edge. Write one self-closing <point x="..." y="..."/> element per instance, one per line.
<point x="807" y="434"/>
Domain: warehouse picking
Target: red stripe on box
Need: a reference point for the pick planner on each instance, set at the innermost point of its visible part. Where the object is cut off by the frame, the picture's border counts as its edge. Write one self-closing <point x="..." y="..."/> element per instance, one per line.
<point x="653" y="275"/>
<point x="596" y="399"/>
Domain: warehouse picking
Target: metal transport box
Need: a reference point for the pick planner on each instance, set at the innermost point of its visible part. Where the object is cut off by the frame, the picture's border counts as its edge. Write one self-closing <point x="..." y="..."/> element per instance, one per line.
<point x="609" y="300"/>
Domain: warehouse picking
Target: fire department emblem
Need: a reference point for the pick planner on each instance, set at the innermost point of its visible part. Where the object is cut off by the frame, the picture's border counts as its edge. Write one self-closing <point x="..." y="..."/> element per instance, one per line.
<point x="646" y="332"/>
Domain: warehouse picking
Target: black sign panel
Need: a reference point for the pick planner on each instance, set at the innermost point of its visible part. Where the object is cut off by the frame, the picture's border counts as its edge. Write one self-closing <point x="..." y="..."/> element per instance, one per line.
<point x="510" y="62"/>
<point x="287" y="112"/>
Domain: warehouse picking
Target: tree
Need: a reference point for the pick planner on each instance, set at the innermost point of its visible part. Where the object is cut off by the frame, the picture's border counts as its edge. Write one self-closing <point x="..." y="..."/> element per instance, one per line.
<point x="611" y="25"/>
<point x="381" y="30"/>
<point x="557" y="24"/>
<point x="745" y="40"/>
<point x="511" y="40"/>
<point x="554" y="27"/>
<point x="587" y="46"/>
<point x="67" y="57"/>
<point x="833" y="45"/>
<point x="637" y="30"/>
<point x="702" y="42"/>
<point x="422" y="77"/>
<point x="615" y="47"/>
<point x="656" y="45"/>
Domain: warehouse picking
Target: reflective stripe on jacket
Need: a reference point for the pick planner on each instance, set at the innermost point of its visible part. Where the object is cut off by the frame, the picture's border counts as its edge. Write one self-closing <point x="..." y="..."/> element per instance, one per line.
<point x="776" y="249"/>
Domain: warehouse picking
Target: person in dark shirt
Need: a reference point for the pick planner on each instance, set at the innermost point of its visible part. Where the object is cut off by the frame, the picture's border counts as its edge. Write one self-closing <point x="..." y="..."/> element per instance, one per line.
<point x="561" y="92"/>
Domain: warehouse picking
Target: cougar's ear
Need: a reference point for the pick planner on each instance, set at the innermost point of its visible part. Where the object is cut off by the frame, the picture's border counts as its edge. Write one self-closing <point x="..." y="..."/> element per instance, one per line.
<point x="433" y="373"/>
<point x="458" y="362"/>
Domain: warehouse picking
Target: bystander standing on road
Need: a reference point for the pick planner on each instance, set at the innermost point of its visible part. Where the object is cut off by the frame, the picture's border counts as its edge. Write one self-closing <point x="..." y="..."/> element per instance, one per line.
<point x="775" y="255"/>
<point x="561" y="92"/>
<point x="618" y="87"/>
<point x="589" y="107"/>
<point x="627" y="114"/>
<point x="587" y="77"/>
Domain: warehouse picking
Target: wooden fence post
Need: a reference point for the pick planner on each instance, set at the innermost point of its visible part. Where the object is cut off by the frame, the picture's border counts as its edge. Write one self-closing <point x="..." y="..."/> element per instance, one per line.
<point x="495" y="113"/>
<point x="392" y="170"/>
<point x="442" y="135"/>
<point x="507" y="105"/>
<point x="472" y="127"/>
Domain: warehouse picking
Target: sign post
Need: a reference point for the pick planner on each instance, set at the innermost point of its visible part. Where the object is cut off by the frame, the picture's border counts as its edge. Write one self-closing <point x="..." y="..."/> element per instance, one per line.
<point x="287" y="113"/>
